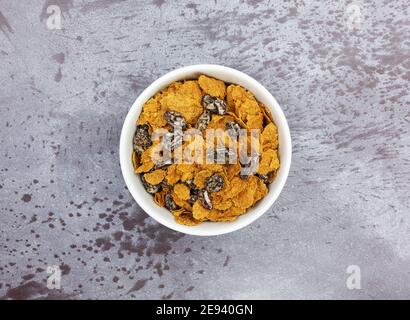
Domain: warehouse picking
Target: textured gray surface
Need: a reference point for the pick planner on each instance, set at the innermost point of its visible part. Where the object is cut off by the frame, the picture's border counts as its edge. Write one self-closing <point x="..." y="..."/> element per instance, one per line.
<point x="342" y="82"/>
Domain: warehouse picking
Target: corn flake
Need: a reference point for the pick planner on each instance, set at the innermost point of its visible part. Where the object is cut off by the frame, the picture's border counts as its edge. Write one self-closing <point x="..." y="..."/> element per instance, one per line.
<point x="155" y="177"/>
<point x="187" y="219"/>
<point x="200" y="178"/>
<point x="185" y="99"/>
<point x="211" y="86"/>
<point x="182" y="191"/>
<point x="269" y="161"/>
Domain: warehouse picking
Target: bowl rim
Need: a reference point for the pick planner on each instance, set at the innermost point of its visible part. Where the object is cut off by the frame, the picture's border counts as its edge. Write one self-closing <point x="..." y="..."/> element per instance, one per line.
<point x="285" y="149"/>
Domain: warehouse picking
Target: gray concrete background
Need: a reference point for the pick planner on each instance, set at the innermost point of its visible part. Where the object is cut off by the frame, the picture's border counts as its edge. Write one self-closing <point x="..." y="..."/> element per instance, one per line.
<point x="339" y="69"/>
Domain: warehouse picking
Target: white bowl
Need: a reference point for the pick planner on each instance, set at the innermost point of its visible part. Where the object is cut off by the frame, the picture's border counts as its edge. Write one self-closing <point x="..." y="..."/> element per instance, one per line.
<point x="146" y="201"/>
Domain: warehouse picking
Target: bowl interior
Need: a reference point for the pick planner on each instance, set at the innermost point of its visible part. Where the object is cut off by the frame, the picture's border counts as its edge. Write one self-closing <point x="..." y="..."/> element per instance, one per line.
<point x="161" y="214"/>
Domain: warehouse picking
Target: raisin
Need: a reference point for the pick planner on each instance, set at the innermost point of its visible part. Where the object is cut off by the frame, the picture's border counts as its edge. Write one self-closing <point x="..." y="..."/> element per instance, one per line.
<point x="205" y="200"/>
<point x="172" y="140"/>
<point x="169" y="202"/>
<point x="193" y="198"/>
<point x="142" y="139"/>
<point x="263" y="177"/>
<point x="165" y="185"/>
<point x="207" y="99"/>
<point x="214" y="105"/>
<point x="233" y="128"/>
<point x="249" y="168"/>
<point x="214" y="183"/>
<point x="175" y="119"/>
<point x="203" y="120"/>
<point x="150" y="187"/>
<point x="193" y="190"/>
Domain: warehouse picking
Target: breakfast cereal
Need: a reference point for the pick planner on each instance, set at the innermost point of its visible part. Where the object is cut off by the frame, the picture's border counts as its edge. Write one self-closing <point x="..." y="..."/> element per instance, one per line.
<point x="206" y="150"/>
